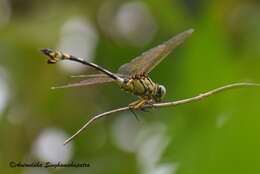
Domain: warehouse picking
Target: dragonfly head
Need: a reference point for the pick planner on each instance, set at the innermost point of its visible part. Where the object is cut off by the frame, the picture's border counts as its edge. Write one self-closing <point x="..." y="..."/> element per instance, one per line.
<point x="160" y="93"/>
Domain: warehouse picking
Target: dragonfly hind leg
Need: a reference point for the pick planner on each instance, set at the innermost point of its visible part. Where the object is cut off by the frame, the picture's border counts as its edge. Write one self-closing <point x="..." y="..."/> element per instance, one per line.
<point x="138" y="104"/>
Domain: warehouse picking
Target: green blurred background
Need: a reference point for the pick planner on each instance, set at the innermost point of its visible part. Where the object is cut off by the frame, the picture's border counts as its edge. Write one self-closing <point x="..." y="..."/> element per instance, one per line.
<point x="217" y="135"/>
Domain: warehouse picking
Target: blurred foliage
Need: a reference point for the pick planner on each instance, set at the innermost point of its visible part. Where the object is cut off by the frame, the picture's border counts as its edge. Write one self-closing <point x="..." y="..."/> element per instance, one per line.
<point x="217" y="135"/>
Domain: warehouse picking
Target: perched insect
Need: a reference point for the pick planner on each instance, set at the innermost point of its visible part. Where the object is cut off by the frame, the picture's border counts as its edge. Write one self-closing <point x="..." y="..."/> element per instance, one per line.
<point x="131" y="77"/>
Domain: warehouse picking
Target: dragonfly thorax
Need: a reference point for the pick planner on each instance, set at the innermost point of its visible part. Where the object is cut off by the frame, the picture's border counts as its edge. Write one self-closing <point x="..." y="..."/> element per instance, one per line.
<point x="142" y="86"/>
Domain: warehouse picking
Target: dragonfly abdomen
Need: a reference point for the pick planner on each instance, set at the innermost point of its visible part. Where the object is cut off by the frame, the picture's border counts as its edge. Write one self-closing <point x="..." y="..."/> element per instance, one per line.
<point x="56" y="56"/>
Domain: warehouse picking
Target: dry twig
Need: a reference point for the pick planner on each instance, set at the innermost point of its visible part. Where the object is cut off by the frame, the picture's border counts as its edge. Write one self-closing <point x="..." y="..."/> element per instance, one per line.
<point x="157" y="105"/>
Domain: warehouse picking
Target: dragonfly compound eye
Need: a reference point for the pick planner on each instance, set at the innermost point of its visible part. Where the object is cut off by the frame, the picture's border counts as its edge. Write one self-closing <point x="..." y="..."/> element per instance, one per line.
<point x="160" y="93"/>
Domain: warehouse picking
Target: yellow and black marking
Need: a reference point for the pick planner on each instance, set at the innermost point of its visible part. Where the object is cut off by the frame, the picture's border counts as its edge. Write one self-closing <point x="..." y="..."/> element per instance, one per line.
<point x="56" y="56"/>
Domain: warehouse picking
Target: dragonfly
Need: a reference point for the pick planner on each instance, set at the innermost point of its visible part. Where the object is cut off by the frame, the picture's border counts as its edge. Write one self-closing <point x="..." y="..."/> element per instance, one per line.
<point x="132" y="77"/>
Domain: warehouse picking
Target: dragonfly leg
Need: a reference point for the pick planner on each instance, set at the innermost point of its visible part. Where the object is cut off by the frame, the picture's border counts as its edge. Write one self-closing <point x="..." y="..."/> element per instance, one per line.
<point x="131" y="105"/>
<point x="137" y="104"/>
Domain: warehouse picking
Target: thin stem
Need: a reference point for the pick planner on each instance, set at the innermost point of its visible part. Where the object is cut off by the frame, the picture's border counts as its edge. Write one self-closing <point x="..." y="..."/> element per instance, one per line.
<point x="93" y="119"/>
<point x="158" y="105"/>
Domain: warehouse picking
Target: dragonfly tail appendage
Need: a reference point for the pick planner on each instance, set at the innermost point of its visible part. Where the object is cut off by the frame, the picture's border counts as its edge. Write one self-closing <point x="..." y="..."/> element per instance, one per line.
<point x="56" y="56"/>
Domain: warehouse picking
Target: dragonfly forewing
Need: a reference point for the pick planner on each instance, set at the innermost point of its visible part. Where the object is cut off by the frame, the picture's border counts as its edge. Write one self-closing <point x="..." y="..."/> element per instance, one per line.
<point x="149" y="59"/>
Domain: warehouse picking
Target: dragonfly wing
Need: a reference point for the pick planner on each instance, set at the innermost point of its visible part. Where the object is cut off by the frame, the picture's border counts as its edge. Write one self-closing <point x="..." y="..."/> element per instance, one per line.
<point x="149" y="59"/>
<point x="88" y="82"/>
<point x="96" y="75"/>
